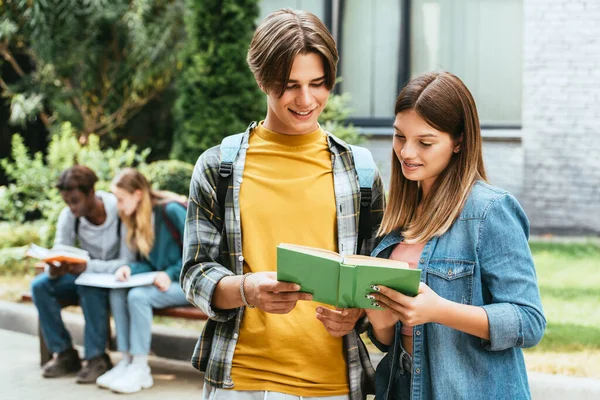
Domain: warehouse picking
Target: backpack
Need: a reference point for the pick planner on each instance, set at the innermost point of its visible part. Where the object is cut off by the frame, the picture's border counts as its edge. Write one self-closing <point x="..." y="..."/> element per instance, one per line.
<point x="170" y="226"/>
<point x="363" y="164"/>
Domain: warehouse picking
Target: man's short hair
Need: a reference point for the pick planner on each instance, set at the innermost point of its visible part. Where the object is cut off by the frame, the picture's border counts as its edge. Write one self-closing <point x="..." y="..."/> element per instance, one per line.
<point x="78" y="177"/>
<point x="279" y="38"/>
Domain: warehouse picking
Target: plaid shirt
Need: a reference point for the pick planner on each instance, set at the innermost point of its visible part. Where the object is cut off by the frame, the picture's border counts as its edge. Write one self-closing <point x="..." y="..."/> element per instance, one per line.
<point x="207" y="259"/>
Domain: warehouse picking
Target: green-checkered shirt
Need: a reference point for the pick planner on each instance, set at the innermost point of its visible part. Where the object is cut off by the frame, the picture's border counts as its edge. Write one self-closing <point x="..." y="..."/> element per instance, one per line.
<point x="206" y="260"/>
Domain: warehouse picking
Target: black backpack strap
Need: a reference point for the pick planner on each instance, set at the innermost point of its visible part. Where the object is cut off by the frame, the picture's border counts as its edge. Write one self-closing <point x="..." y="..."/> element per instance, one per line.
<point x="76" y="227"/>
<point x="119" y="223"/>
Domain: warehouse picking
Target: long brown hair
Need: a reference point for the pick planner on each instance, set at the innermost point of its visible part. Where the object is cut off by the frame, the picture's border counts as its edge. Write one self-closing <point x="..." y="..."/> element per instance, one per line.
<point x="445" y="103"/>
<point x="279" y="38"/>
<point x="140" y="234"/>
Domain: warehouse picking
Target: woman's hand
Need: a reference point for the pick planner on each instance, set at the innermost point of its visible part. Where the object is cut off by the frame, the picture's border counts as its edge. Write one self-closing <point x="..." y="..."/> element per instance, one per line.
<point x="421" y="309"/>
<point x="123" y="273"/>
<point x="162" y="281"/>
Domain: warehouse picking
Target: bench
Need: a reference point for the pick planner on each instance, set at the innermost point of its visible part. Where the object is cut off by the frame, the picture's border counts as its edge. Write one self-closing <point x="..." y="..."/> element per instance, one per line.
<point x="185" y="312"/>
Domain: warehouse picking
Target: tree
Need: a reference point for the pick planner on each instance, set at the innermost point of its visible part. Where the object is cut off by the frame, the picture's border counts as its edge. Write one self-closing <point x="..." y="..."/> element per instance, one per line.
<point x="217" y="93"/>
<point x="97" y="62"/>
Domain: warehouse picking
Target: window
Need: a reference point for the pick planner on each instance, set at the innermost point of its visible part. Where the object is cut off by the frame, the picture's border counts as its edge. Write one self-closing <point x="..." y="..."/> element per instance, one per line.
<point x="480" y="41"/>
<point x="370" y="56"/>
<point x="385" y="42"/>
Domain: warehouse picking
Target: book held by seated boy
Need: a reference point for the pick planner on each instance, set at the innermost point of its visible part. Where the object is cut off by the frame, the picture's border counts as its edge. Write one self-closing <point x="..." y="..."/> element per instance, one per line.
<point x="343" y="281"/>
<point x="60" y="253"/>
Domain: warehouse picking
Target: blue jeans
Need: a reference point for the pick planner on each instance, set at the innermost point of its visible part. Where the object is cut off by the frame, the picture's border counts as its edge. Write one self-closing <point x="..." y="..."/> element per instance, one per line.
<point x="47" y="294"/>
<point x="132" y="311"/>
<point x="393" y="376"/>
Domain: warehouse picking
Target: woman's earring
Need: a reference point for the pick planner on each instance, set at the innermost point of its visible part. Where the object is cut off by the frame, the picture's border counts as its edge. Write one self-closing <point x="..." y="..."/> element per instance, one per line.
<point x="457" y="150"/>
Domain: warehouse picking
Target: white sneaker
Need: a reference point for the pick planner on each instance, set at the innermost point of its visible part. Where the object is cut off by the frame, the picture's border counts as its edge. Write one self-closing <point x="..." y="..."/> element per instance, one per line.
<point x="135" y="378"/>
<point x="109" y="377"/>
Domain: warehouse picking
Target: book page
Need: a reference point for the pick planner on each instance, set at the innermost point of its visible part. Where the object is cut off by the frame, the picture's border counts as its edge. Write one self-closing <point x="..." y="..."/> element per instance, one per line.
<point x="331" y="255"/>
<point x="59" y="253"/>
<point x="373" y="261"/>
<point x="110" y="281"/>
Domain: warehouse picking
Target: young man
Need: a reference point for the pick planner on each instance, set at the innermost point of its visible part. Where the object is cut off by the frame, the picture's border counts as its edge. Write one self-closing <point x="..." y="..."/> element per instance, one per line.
<point x="91" y="219"/>
<point x="292" y="182"/>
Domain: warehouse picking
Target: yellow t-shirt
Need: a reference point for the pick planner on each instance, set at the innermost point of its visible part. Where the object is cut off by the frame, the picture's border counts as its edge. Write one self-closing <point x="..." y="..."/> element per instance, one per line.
<point x="287" y="195"/>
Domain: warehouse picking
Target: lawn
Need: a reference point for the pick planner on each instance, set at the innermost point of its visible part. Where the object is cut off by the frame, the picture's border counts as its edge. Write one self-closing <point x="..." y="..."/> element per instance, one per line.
<point x="569" y="280"/>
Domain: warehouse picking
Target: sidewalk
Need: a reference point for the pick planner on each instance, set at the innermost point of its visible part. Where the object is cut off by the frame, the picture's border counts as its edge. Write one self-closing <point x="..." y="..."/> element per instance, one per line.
<point x="20" y="377"/>
<point x="20" y="370"/>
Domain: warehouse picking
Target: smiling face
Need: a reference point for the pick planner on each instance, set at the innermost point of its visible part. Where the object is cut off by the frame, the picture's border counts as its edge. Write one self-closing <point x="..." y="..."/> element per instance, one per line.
<point x="423" y="151"/>
<point x="296" y="112"/>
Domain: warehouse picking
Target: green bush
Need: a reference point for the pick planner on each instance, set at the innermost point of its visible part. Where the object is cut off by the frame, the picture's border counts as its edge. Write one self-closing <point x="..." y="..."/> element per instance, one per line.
<point x="14" y="263"/>
<point x="333" y="116"/>
<point x="217" y="93"/>
<point x="170" y="175"/>
<point x="31" y="193"/>
<point x="17" y="234"/>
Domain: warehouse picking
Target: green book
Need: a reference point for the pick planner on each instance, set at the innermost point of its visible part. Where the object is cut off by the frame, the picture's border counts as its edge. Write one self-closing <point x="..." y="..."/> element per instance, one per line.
<point x="342" y="281"/>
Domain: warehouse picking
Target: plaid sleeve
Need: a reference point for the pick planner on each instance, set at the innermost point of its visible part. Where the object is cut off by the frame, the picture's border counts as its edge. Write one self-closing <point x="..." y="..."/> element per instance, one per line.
<point x="201" y="272"/>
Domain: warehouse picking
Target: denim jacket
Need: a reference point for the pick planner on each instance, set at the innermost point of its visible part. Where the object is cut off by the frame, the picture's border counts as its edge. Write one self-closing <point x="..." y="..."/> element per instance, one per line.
<point x="482" y="260"/>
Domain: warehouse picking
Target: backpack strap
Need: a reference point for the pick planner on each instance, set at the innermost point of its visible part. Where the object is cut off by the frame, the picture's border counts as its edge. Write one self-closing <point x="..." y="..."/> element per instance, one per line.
<point x="365" y="170"/>
<point x="76" y="227"/>
<point x="170" y="226"/>
<point x="230" y="147"/>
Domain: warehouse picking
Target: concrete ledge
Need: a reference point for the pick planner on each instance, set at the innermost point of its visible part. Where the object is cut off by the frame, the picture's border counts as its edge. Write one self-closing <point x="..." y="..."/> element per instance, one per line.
<point x="177" y="344"/>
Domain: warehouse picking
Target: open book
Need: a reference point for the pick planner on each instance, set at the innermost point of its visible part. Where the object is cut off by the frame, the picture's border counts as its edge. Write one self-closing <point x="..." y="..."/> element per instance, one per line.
<point x="342" y="281"/>
<point x="109" y="281"/>
<point x="59" y="253"/>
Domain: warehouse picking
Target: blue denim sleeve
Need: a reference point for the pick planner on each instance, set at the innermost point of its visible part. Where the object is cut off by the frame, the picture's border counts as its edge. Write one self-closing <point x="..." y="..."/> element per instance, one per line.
<point x="515" y="311"/>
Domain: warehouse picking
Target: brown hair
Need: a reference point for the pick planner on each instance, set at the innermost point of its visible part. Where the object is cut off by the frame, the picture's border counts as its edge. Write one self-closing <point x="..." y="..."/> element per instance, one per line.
<point x="281" y="36"/>
<point x="140" y="234"/>
<point x="445" y="103"/>
<point x="78" y="177"/>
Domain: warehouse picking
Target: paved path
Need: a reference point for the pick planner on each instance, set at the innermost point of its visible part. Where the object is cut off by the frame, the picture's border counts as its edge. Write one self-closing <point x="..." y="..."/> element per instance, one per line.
<point x="20" y="377"/>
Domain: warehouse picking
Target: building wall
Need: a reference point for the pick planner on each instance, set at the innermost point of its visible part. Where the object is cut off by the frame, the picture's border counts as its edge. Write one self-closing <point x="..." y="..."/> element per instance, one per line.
<point x="561" y="115"/>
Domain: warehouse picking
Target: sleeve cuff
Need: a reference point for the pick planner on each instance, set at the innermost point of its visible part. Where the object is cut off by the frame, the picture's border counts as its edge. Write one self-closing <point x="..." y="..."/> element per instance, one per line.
<point x="202" y="291"/>
<point x="506" y="329"/>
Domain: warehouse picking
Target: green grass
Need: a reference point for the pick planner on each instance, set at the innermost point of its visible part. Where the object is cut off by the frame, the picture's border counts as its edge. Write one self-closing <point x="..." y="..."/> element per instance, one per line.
<point x="569" y="281"/>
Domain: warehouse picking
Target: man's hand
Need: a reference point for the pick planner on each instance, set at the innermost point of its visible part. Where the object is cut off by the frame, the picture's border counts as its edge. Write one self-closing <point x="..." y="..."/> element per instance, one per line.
<point x="263" y="291"/>
<point x="339" y="322"/>
<point x="56" y="270"/>
<point x="162" y="281"/>
<point x="123" y="273"/>
<point x="75" y="268"/>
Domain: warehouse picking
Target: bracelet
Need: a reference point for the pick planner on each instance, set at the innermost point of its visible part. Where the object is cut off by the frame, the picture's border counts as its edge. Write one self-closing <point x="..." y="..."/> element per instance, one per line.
<point x="242" y="290"/>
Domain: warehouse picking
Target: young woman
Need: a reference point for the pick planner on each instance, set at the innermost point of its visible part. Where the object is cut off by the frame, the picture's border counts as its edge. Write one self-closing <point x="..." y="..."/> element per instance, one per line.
<point x="154" y="222"/>
<point x="478" y="302"/>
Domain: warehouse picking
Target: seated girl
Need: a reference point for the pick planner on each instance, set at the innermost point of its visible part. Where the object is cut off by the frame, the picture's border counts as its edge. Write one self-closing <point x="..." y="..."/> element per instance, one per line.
<point x="154" y="221"/>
